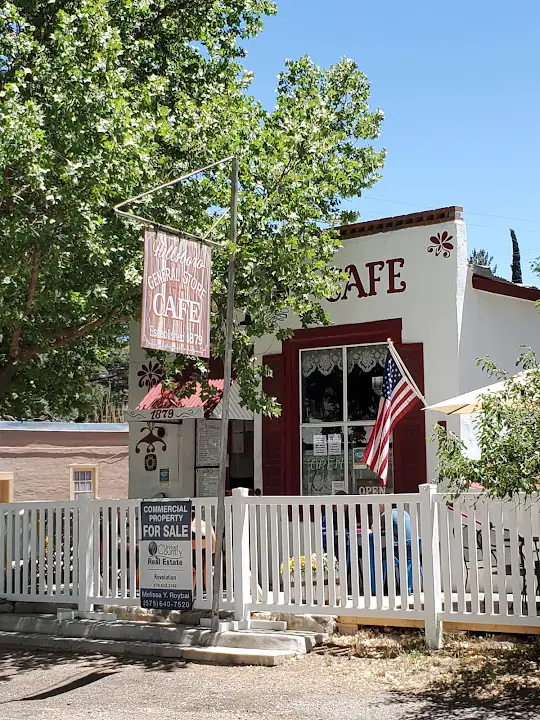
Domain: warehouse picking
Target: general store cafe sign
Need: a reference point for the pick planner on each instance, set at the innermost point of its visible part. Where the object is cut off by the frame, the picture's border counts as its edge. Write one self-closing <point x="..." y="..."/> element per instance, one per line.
<point x="372" y="279"/>
<point x="175" y="313"/>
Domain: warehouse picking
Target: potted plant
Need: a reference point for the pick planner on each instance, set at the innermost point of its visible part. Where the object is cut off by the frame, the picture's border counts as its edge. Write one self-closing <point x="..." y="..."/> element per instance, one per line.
<point x="314" y="578"/>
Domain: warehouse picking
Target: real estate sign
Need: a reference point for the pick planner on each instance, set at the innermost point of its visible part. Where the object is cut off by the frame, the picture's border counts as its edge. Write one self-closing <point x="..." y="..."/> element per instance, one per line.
<point x="176" y="294"/>
<point x="166" y="580"/>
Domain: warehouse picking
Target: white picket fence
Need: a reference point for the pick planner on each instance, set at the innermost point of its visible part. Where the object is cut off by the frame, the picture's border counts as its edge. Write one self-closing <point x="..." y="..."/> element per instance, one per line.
<point x="413" y="556"/>
<point x="490" y="560"/>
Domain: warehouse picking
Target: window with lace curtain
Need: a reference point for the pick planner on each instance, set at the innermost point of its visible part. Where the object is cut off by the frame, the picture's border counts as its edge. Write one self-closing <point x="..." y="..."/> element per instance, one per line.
<point x="339" y="403"/>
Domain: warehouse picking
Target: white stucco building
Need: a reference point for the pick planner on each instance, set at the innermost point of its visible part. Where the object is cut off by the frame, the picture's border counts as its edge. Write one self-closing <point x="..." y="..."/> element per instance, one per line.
<point x="409" y="280"/>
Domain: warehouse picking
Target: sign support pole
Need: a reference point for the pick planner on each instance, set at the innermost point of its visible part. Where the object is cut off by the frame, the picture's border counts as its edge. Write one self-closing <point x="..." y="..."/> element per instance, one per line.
<point x="227" y="360"/>
<point x="227" y="373"/>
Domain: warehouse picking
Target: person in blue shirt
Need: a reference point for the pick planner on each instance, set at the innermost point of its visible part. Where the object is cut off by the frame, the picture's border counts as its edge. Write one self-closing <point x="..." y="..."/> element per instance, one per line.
<point x="395" y="532"/>
<point x="395" y="523"/>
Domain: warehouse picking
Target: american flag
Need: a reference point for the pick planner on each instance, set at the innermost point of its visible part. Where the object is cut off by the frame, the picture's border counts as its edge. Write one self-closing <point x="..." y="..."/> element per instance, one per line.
<point x="398" y="397"/>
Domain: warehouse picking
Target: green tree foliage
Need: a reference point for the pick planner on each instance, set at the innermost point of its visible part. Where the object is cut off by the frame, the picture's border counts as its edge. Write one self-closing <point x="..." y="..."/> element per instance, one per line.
<point x="483" y="258"/>
<point x="507" y="429"/>
<point x="109" y="385"/>
<point x="302" y="160"/>
<point x="517" y="276"/>
<point x="98" y="100"/>
<point x="102" y="99"/>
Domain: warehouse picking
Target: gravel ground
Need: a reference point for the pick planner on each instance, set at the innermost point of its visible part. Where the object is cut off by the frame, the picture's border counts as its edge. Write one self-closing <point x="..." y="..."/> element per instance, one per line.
<point x="312" y="687"/>
<point x="328" y="685"/>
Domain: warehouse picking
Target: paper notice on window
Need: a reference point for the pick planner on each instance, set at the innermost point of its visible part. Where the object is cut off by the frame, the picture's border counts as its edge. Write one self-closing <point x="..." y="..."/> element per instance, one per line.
<point x="338" y="486"/>
<point x="334" y="444"/>
<point x="206" y="482"/>
<point x="320" y="446"/>
<point x="358" y="459"/>
<point x="208" y="442"/>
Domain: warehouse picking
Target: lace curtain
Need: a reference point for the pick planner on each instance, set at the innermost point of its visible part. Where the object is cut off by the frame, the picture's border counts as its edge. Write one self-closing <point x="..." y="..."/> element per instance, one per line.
<point x="322" y="360"/>
<point x="365" y="356"/>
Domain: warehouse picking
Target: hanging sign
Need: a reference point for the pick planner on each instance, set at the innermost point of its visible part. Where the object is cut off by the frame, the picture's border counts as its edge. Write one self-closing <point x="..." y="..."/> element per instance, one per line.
<point x="166" y="576"/>
<point x="176" y="294"/>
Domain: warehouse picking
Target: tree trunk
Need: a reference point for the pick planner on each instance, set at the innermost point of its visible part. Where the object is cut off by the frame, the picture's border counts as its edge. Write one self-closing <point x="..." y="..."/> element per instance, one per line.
<point x="15" y="344"/>
<point x="7" y="373"/>
<point x="64" y="338"/>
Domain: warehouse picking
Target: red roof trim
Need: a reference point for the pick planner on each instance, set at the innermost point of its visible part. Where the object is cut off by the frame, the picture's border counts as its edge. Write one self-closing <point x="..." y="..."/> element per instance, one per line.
<point x="157" y="397"/>
<point x="400" y="222"/>
<point x="498" y="287"/>
<point x="328" y="335"/>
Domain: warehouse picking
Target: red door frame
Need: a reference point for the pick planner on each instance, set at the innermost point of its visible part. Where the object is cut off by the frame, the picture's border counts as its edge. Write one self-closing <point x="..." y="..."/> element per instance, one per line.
<point x="335" y="335"/>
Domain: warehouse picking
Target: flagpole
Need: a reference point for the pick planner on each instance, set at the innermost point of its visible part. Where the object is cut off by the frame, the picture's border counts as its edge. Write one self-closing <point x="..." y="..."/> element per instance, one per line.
<point x="404" y="370"/>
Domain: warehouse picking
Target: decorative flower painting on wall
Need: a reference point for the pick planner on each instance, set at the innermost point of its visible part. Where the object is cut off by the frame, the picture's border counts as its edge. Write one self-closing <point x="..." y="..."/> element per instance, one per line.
<point x="150" y="374"/>
<point x="441" y="244"/>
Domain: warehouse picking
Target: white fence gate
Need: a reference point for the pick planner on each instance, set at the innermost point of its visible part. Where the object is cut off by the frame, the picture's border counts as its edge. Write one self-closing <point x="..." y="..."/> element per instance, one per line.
<point x="414" y="556"/>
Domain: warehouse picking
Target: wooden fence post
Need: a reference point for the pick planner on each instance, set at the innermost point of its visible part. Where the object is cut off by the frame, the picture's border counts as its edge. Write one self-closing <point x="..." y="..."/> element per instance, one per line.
<point x="240" y="538"/>
<point x="429" y="518"/>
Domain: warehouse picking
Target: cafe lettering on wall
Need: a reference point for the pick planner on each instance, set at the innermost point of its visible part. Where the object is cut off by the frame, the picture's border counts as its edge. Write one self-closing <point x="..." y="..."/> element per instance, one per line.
<point x="176" y="294"/>
<point x="374" y="277"/>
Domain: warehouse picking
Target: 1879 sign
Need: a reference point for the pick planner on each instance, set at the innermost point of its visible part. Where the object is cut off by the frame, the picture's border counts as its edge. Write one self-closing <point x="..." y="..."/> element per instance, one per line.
<point x="176" y="294"/>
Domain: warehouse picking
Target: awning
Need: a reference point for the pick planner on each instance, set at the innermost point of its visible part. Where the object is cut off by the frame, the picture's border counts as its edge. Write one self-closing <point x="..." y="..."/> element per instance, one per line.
<point x="472" y="401"/>
<point x="162" y="405"/>
<point x="237" y="410"/>
<point x="158" y="397"/>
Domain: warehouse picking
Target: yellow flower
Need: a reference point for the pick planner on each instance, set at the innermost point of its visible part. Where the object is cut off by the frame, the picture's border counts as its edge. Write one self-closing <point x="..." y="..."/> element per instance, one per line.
<point x="324" y="564"/>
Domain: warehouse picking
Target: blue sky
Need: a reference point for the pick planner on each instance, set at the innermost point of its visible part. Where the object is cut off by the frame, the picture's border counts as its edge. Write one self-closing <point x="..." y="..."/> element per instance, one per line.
<point x="459" y="84"/>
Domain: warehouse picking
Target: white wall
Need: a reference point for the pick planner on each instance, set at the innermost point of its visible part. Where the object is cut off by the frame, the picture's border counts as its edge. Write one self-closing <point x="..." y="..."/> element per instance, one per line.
<point x="143" y="483"/>
<point x="178" y="457"/>
<point x="138" y="362"/>
<point x="497" y="326"/>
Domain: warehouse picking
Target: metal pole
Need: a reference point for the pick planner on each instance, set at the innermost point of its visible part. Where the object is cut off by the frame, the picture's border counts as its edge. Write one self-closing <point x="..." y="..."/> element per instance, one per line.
<point x="171" y="182"/>
<point x="224" y="435"/>
<point x="176" y="231"/>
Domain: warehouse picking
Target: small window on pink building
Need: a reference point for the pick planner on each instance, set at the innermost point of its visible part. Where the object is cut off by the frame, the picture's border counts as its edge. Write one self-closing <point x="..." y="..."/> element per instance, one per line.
<point x="83" y="482"/>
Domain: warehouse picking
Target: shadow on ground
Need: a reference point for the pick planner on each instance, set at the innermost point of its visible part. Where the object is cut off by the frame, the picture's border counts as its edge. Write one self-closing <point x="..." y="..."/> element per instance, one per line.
<point x="499" y="681"/>
<point x="14" y="662"/>
<point x="475" y="675"/>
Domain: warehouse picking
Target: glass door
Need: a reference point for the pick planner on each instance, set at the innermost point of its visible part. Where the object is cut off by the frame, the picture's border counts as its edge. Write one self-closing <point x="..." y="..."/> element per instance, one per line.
<point x="339" y="395"/>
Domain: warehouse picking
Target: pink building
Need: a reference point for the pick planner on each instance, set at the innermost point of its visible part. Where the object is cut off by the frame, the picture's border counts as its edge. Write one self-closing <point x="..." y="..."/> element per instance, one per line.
<point x="62" y="461"/>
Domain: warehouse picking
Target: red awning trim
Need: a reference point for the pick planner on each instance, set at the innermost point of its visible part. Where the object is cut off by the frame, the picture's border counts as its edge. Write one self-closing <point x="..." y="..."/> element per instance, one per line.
<point x="157" y="397"/>
<point x="498" y="286"/>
